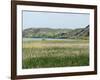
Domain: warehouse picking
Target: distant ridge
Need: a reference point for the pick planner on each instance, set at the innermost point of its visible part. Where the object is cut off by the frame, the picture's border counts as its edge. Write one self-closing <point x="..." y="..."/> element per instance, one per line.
<point x="56" y="33"/>
<point x="79" y="33"/>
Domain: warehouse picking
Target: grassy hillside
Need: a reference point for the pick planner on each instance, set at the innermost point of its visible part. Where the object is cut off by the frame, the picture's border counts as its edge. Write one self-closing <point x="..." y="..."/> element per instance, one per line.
<point x="82" y="33"/>
<point x="43" y="32"/>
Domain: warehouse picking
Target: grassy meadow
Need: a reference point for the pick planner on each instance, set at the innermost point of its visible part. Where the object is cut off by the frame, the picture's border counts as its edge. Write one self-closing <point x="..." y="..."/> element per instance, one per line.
<point x="55" y="53"/>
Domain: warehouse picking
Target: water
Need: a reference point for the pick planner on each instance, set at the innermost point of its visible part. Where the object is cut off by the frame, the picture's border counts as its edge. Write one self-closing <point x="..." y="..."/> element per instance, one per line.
<point x="32" y="39"/>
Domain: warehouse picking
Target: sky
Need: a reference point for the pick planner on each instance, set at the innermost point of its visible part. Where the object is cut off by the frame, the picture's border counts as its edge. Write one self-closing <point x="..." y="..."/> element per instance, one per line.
<point x="36" y="19"/>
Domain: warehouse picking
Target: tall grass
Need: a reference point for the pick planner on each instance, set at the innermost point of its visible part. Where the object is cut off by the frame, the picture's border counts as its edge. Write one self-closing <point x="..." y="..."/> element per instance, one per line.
<point x="44" y="62"/>
<point x="55" y="53"/>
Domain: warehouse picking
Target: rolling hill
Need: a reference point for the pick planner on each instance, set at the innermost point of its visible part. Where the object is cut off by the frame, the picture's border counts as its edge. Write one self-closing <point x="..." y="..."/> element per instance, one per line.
<point x="82" y="33"/>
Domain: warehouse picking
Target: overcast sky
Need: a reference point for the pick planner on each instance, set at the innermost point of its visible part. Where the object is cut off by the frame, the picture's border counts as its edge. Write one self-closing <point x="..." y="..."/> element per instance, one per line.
<point x="54" y="20"/>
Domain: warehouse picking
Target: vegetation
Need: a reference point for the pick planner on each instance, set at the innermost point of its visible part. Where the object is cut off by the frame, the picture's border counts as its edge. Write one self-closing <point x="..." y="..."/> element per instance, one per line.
<point x="55" y="53"/>
<point x="72" y="50"/>
<point x="80" y="33"/>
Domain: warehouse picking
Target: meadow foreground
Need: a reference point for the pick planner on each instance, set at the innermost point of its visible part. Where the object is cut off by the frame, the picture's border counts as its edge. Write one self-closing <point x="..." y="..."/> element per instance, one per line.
<point x="55" y="53"/>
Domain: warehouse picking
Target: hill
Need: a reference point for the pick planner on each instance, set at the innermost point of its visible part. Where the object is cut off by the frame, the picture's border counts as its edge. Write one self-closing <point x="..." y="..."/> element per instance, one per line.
<point x="82" y="33"/>
<point x="43" y="32"/>
<point x="77" y="33"/>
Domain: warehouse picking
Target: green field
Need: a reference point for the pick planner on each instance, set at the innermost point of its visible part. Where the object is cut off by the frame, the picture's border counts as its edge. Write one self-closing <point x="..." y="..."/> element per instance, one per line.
<point x="55" y="53"/>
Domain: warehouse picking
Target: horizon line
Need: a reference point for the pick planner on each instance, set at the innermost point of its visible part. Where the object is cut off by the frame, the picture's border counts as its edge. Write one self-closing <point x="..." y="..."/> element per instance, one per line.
<point x="53" y="28"/>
